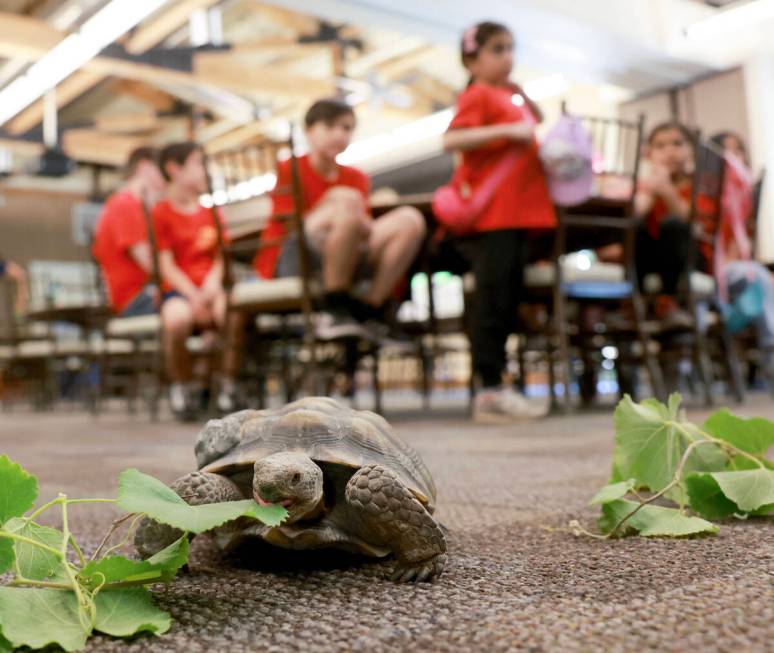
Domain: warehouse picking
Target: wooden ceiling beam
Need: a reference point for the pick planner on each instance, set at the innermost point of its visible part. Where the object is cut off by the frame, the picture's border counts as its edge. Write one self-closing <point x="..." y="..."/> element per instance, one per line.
<point x="159" y="100"/>
<point x="93" y="146"/>
<point x="128" y="123"/>
<point x="234" y="71"/>
<point x="71" y="88"/>
<point x="25" y="37"/>
<point x="154" y="31"/>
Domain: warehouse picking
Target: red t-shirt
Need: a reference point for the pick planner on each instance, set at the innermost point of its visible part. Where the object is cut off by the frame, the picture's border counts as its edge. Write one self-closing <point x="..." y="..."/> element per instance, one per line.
<point x="522" y="200"/>
<point x="659" y="210"/>
<point x="314" y="187"/>
<point x="121" y="225"/>
<point x="191" y="237"/>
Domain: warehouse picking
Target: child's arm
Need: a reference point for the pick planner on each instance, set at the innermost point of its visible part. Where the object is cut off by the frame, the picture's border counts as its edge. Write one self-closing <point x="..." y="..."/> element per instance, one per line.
<point x="474" y="137"/>
<point x="176" y="277"/>
<point x="213" y="282"/>
<point x="141" y="253"/>
<point x="534" y="108"/>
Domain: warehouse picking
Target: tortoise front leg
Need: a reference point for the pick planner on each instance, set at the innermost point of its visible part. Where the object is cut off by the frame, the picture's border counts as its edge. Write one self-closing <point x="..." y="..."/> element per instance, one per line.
<point x="196" y="489"/>
<point x="389" y="510"/>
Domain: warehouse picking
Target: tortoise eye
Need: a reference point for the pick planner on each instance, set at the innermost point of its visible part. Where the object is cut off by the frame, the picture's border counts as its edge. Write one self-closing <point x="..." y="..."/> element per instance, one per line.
<point x="296" y="478"/>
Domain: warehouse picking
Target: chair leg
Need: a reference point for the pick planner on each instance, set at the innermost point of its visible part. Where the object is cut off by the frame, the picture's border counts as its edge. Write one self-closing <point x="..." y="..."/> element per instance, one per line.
<point x="564" y="350"/>
<point x="654" y="370"/>
<point x="703" y="365"/>
<point x="553" y="405"/>
<point x="731" y="363"/>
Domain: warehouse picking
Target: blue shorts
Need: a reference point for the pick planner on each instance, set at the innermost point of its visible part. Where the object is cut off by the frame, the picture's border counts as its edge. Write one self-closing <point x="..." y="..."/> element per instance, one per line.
<point x="170" y="294"/>
<point x="143" y="304"/>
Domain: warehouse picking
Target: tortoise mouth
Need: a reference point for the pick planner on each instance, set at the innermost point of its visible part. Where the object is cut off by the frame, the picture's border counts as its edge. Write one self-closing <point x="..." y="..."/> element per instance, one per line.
<point x="285" y="503"/>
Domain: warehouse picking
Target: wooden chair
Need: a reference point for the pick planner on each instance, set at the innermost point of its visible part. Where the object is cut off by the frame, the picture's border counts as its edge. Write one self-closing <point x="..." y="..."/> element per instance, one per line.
<point x="606" y="218"/>
<point x="287" y="304"/>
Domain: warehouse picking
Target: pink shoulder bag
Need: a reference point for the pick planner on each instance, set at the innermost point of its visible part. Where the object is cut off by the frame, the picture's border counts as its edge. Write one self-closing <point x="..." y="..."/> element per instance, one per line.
<point x="458" y="214"/>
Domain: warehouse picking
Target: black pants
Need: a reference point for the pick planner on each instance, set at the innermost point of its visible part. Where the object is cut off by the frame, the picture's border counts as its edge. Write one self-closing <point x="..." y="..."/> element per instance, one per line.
<point x="666" y="255"/>
<point x="497" y="259"/>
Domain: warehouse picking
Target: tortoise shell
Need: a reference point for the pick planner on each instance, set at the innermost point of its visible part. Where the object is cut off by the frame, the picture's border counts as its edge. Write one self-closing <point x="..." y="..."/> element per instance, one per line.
<point x="325" y="430"/>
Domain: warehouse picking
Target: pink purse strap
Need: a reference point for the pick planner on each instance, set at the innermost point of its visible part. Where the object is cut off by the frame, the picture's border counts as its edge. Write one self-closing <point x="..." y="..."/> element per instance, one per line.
<point x="485" y="192"/>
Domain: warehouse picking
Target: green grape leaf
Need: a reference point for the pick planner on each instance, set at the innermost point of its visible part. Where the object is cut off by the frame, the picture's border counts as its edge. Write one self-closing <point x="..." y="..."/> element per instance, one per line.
<point x="6" y="554"/>
<point x="124" y="612"/>
<point x="653" y="521"/>
<point x="707" y="499"/>
<point x="738" y="463"/>
<point x="19" y="490"/>
<point x="612" y="492"/>
<point x="36" y="563"/>
<point x="755" y="436"/>
<point x="651" y="439"/>
<point x="140" y="493"/>
<point x="750" y="490"/>
<point x="160" y="568"/>
<point x="39" y="617"/>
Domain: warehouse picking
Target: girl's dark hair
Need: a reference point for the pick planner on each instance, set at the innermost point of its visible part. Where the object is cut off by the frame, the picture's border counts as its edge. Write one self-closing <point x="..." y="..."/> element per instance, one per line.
<point x="176" y="153"/>
<point x="327" y="110"/>
<point x="670" y="125"/>
<point x="477" y="36"/>
<point x="720" y="138"/>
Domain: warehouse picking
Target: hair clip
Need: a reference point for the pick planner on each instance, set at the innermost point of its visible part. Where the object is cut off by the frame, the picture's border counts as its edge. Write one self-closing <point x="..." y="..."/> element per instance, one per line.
<point x="469" y="45"/>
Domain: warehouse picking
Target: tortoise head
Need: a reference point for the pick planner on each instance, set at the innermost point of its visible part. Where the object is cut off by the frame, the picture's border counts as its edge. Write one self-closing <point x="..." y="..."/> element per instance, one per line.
<point x="290" y="479"/>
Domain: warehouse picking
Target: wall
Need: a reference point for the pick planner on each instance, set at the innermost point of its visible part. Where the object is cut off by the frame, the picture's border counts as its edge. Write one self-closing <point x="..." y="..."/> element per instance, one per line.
<point x="37" y="225"/>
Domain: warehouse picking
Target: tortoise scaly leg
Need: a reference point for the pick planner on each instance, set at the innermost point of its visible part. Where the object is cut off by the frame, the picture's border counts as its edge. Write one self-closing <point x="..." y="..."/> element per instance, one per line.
<point x="195" y="489"/>
<point x="390" y="511"/>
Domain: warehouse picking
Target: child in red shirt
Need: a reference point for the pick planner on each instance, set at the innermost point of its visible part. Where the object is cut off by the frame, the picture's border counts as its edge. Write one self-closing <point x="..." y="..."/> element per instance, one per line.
<point x="488" y="125"/>
<point x="121" y="240"/>
<point x="663" y="202"/>
<point x="189" y="262"/>
<point x="345" y="242"/>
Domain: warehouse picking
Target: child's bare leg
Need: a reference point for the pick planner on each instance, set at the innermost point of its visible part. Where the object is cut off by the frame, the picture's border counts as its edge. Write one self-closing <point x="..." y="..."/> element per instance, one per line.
<point x="341" y="217"/>
<point x="395" y="240"/>
<point x="177" y="322"/>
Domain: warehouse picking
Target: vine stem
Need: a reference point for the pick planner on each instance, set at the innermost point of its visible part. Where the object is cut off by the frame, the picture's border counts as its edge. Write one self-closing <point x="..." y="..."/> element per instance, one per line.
<point x="727" y="448"/>
<point x="675" y="480"/>
<point x="85" y="604"/>
<point x="39" y="583"/>
<point x="127" y="535"/>
<point x="53" y="502"/>
<point x="112" y="530"/>
<point x="27" y="540"/>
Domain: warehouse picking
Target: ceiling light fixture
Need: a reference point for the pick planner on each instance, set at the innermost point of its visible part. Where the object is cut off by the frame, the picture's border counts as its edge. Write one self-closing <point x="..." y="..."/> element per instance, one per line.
<point x="99" y="31"/>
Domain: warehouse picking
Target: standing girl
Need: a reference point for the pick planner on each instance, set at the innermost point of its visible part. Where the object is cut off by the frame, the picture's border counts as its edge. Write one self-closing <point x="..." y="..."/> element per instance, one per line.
<point x="494" y="116"/>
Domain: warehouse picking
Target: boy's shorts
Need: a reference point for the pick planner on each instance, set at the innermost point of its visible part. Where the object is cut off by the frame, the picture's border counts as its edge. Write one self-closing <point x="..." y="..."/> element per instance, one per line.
<point x="289" y="264"/>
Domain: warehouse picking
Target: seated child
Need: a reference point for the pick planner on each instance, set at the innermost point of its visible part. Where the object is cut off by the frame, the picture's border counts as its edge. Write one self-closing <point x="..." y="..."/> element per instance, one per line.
<point x="346" y="244"/>
<point x="190" y="265"/>
<point x="663" y="201"/>
<point x="121" y="241"/>
<point x="18" y="276"/>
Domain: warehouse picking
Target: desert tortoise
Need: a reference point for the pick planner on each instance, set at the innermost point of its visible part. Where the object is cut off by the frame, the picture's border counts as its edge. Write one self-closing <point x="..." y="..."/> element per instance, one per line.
<point x="344" y="476"/>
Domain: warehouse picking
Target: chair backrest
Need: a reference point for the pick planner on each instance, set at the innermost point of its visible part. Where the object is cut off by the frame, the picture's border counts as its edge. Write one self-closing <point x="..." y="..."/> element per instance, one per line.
<point x="8" y="333"/>
<point x="242" y="183"/>
<point x="706" y="200"/>
<point x="616" y="146"/>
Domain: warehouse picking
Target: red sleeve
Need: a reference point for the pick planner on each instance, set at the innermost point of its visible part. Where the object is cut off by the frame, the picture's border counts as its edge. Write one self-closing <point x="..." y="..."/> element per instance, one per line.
<point x="161" y="225"/>
<point x="471" y="109"/>
<point x="130" y="229"/>
<point x="282" y="196"/>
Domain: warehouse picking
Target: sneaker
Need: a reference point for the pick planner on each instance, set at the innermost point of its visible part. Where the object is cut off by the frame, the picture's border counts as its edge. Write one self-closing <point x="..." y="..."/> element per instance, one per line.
<point x="180" y="403"/>
<point x="333" y="325"/>
<point x="503" y="406"/>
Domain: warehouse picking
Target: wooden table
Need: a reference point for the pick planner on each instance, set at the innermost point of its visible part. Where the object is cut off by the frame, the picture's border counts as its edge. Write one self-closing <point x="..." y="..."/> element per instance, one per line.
<point x="86" y="316"/>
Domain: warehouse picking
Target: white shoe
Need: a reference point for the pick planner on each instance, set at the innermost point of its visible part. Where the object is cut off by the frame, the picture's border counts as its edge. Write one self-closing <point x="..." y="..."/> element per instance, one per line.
<point x="503" y="406"/>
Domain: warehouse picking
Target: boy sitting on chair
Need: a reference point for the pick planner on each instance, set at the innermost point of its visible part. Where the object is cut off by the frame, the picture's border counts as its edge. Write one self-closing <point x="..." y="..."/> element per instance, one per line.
<point x="191" y="265"/>
<point x="346" y="244"/>
<point x="121" y="238"/>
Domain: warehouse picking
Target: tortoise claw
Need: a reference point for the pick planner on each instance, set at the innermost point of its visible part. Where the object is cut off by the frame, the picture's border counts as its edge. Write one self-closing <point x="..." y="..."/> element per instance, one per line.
<point x="419" y="572"/>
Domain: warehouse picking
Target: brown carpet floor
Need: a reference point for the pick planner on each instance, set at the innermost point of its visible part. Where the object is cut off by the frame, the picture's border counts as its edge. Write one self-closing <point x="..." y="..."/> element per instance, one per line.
<point x="509" y="585"/>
